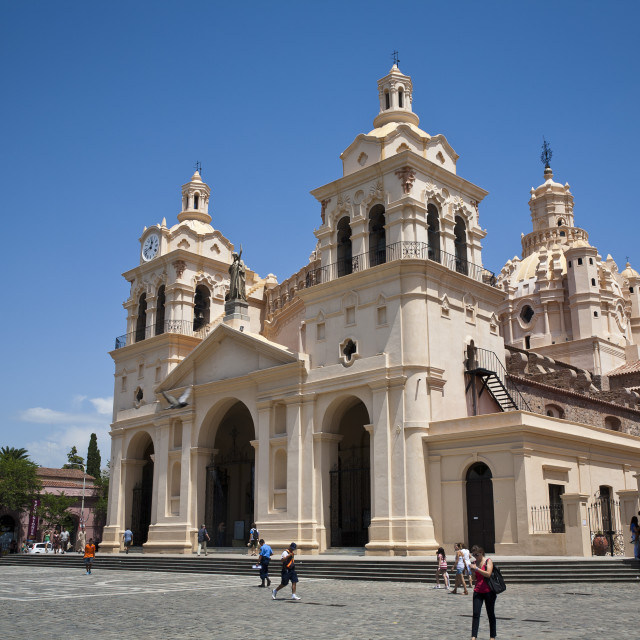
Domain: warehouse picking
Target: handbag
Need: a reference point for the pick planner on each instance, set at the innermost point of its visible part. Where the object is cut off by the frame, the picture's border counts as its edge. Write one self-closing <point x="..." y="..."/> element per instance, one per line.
<point x="496" y="581"/>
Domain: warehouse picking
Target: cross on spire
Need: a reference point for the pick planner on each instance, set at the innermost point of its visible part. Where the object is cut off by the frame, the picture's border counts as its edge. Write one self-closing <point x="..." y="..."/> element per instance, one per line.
<point x="198" y="167"/>
<point x="396" y="60"/>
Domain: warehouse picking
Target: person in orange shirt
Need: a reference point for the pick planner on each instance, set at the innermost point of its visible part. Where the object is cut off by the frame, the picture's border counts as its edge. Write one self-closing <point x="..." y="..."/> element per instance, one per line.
<point x="89" y="555"/>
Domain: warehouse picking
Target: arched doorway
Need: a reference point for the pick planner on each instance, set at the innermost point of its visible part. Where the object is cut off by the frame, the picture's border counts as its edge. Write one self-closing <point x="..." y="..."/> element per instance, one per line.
<point x="142" y="498"/>
<point x="350" y="480"/>
<point x="480" y="519"/>
<point x="231" y="479"/>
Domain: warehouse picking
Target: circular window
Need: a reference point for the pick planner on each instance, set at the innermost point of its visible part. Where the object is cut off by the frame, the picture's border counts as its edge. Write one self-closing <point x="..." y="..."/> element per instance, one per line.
<point x="527" y="313"/>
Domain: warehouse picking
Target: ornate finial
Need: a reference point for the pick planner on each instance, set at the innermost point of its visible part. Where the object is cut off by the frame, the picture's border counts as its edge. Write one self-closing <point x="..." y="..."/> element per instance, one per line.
<point x="199" y="167"/>
<point x="396" y="60"/>
<point x="545" y="156"/>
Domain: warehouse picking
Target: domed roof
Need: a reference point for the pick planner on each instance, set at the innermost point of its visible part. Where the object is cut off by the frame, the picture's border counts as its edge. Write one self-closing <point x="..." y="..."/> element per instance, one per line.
<point x="629" y="272"/>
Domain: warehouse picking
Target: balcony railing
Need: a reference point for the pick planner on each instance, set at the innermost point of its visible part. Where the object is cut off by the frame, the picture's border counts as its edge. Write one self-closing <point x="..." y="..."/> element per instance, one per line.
<point x="400" y="251"/>
<point x="182" y="327"/>
<point x="548" y="519"/>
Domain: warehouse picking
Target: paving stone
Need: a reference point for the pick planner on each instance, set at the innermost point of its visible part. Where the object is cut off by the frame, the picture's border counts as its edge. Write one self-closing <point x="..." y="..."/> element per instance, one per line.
<point x="65" y="603"/>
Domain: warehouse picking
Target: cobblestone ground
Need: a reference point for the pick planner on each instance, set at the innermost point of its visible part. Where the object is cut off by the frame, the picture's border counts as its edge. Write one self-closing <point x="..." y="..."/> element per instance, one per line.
<point x="65" y="603"/>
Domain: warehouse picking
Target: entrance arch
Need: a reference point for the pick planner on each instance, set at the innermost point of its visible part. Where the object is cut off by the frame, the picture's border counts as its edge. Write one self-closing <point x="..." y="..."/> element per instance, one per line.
<point x="350" y="478"/>
<point x="230" y="478"/>
<point x="140" y="464"/>
<point x="480" y="518"/>
<point x="8" y="532"/>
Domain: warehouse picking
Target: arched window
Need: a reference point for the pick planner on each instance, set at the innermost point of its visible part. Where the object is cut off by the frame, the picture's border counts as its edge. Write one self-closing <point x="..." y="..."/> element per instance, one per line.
<point x="460" y="232"/>
<point x="201" y="303"/>
<point x="377" y="237"/>
<point x="160" y="311"/>
<point x="196" y="201"/>
<point x="400" y="98"/>
<point x="560" y="222"/>
<point x="345" y="265"/>
<point x="433" y="235"/>
<point x="387" y="100"/>
<point x="554" y="411"/>
<point x="141" y="322"/>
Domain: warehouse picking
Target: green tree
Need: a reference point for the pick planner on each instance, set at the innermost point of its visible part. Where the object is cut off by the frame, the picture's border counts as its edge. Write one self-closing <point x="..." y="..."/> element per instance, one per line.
<point x="74" y="460"/>
<point x="12" y="452"/>
<point x="19" y="483"/>
<point x="54" y="509"/>
<point x="93" y="457"/>
<point x="102" y="483"/>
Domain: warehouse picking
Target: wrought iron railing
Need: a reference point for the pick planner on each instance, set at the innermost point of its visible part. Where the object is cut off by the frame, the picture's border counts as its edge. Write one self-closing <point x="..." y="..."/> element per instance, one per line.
<point x="400" y="251"/>
<point x="548" y="519"/>
<point x="489" y="361"/>
<point x="605" y="520"/>
<point x="182" y="327"/>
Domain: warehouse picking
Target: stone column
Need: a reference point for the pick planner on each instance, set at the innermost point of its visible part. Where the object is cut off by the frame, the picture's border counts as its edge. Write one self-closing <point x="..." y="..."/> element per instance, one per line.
<point x="307" y="513"/>
<point x="186" y="486"/>
<point x="325" y="452"/>
<point x="111" y="535"/>
<point x="577" y="535"/>
<point x="200" y="458"/>
<point x="628" y="509"/>
<point x="160" y="459"/>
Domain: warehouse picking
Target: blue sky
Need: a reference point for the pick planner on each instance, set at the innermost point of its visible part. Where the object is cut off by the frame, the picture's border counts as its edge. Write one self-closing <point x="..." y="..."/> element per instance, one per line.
<point x="107" y="106"/>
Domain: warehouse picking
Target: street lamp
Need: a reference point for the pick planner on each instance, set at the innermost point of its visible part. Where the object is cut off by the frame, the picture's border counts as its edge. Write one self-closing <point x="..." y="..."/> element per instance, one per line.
<point x="84" y="475"/>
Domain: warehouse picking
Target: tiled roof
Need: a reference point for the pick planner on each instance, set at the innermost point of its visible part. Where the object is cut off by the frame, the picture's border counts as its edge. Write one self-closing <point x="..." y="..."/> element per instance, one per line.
<point x="629" y="367"/>
<point x="64" y="474"/>
<point x="62" y="484"/>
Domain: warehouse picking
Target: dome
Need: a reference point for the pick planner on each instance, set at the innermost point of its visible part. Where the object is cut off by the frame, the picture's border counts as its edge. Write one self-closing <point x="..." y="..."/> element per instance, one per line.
<point x="629" y="272"/>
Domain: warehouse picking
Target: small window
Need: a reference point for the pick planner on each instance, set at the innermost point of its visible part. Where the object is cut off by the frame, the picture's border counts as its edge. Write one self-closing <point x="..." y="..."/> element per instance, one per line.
<point x="562" y="234"/>
<point x="612" y="423"/>
<point x="570" y="264"/>
<point x="560" y="222"/>
<point x="527" y="342"/>
<point x="579" y="261"/>
<point x="590" y="260"/>
<point x="138" y="395"/>
<point x="593" y="282"/>
<point x="158" y="371"/>
<point x="196" y="201"/>
<point x="387" y="100"/>
<point x="630" y="289"/>
<point x="527" y="313"/>
<point x="349" y="349"/>
<point x="124" y="383"/>
<point x="401" y="98"/>
<point x="350" y="315"/>
<point x="595" y="314"/>
<point x="320" y="331"/>
<point x="382" y="315"/>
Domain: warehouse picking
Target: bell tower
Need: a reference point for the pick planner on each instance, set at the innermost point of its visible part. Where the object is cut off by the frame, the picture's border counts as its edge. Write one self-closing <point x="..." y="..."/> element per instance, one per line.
<point x="395" y="91"/>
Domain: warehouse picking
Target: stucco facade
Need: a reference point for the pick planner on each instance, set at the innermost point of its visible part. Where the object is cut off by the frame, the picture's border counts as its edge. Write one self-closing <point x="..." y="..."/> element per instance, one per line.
<point x="344" y="408"/>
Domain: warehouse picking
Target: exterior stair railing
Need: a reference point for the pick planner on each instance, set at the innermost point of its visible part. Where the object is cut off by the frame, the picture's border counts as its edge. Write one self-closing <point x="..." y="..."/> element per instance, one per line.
<point x="486" y="365"/>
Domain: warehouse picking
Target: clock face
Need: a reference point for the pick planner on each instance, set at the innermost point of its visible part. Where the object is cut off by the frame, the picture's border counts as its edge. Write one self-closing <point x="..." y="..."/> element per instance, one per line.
<point x="150" y="247"/>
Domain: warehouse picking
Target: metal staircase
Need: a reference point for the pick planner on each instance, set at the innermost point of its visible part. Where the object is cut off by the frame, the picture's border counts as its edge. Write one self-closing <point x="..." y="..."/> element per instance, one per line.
<point x="486" y="366"/>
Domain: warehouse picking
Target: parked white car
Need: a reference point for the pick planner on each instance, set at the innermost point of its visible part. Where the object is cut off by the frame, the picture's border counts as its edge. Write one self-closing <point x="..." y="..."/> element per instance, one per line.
<point x="41" y="547"/>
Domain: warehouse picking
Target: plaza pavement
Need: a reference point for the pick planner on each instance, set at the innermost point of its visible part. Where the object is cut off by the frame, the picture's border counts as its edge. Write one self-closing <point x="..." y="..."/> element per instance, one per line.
<point x="50" y="602"/>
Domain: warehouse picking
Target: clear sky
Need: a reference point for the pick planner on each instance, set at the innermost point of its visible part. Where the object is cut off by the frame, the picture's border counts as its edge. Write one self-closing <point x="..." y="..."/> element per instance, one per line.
<point x="106" y="107"/>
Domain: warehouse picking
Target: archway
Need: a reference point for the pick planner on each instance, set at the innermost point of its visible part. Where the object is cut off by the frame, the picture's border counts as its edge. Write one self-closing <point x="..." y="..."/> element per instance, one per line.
<point x="377" y="236"/>
<point x="480" y="519"/>
<point x="141" y="463"/>
<point x="230" y="484"/>
<point x="350" y="479"/>
<point x="345" y="258"/>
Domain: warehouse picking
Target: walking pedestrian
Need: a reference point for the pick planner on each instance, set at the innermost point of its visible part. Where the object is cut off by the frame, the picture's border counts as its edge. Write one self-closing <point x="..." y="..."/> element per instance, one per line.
<point x="441" y="570"/>
<point x="265" y="557"/>
<point x="81" y="540"/>
<point x="128" y="539"/>
<point x="64" y="539"/>
<point x="483" y="568"/>
<point x="56" y="541"/>
<point x="254" y="536"/>
<point x="288" y="572"/>
<point x="467" y="565"/>
<point x="635" y="537"/>
<point x="89" y="555"/>
<point x="460" y="567"/>
<point x="203" y="538"/>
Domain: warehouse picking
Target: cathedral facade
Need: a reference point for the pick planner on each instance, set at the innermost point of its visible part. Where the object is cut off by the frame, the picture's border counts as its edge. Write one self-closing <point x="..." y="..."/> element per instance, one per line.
<point x="369" y="400"/>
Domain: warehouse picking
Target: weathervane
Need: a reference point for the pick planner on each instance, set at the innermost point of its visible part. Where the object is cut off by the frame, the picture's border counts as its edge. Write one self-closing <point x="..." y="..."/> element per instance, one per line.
<point x="396" y="60"/>
<point x="199" y="167"/>
<point x="545" y="156"/>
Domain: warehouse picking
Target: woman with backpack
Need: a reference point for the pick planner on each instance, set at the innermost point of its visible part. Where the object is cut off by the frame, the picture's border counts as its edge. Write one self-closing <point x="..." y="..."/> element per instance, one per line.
<point x="482" y="593"/>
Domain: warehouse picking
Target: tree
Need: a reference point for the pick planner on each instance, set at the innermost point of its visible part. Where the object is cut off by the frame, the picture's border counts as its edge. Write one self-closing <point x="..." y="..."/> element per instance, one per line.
<point x="102" y="483"/>
<point x="19" y="483"/>
<point x="54" y="508"/>
<point x="75" y="461"/>
<point x="93" y="457"/>
<point x="15" y="454"/>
